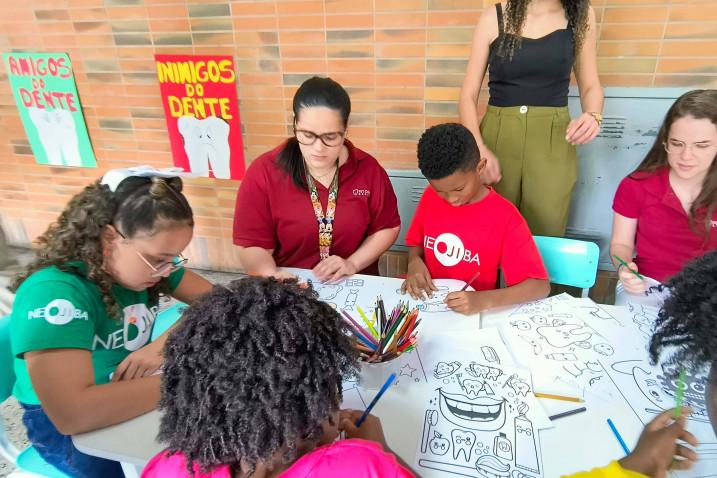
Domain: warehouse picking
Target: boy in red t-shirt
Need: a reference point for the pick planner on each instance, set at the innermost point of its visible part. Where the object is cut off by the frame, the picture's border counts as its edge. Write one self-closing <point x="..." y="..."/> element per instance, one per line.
<point x="465" y="230"/>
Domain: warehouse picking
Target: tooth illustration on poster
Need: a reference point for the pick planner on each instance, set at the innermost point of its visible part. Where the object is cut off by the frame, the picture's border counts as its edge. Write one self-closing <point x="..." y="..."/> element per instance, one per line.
<point x="206" y="142"/>
<point x="43" y="85"/>
<point x="56" y="130"/>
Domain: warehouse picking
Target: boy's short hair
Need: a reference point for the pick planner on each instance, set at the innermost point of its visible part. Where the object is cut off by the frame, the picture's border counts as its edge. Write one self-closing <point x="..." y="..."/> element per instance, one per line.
<point x="446" y="148"/>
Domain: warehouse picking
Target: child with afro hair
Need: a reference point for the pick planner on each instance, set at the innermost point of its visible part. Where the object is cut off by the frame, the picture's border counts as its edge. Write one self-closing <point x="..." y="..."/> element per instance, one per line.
<point x="252" y="385"/>
<point x="464" y="230"/>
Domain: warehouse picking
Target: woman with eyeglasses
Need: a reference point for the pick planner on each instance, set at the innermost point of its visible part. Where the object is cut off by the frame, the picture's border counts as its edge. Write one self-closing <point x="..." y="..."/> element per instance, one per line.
<point x="83" y="313"/>
<point x="665" y="209"/>
<point x="316" y="201"/>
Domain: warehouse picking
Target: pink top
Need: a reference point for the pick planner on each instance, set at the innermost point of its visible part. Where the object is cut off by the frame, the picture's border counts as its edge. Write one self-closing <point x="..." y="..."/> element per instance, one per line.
<point x="354" y="457"/>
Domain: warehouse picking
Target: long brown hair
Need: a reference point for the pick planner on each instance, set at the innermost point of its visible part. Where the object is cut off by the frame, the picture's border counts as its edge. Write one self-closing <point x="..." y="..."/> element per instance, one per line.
<point x="514" y="18"/>
<point x="698" y="104"/>
<point x="138" y="205"/>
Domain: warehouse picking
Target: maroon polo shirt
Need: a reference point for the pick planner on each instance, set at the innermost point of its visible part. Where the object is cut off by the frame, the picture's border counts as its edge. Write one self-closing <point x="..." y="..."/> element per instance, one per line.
<point x="664" y="241"/>
<point x="273" y="213"/>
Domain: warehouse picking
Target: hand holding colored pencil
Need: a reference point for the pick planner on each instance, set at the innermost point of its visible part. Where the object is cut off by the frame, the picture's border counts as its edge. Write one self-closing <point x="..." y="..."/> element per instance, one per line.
<point x="389" y="337"/>
<point x="618" y="259"/>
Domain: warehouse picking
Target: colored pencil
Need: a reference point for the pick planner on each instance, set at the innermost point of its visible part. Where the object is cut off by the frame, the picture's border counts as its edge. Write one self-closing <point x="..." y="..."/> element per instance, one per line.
<point x="392" y="335"/>
<point x="618" y="436"/>
<point x="558" y="397"/>
<point x="628" y="267"/>
<point x="373" y="403"/>
<point x="567" y="414"/>
<point x="680" y="395"/>
<point x="469" y="282"/>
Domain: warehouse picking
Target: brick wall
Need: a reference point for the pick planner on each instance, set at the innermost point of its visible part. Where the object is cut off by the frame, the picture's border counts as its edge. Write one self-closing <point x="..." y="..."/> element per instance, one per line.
<point x="401" y="60"/>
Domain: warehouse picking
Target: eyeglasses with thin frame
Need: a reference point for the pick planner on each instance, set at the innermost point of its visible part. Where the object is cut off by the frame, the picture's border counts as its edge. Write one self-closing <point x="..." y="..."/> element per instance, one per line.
<point x="674" y="146"/>
<point x="163" y="269"/>
<point x="307" y="138"/>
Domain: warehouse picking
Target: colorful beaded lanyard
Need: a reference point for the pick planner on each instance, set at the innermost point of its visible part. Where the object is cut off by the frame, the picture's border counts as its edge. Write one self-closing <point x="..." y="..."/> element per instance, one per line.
<point x="326" y="222"/>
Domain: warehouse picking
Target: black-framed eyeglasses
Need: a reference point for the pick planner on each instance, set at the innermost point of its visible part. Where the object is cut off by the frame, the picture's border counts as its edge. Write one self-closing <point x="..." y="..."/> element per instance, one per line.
<point x="162" y="269"/>
<point x="308" y="138"/>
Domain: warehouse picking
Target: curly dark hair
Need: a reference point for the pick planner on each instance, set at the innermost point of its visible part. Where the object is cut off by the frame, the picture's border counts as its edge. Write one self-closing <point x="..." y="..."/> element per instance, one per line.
<point x="686" y="321"/>
<point x="138" y="205"/>
<point x="252" y="368"/>
<point x="514" y="18"/>
<point x="446" y="148"/>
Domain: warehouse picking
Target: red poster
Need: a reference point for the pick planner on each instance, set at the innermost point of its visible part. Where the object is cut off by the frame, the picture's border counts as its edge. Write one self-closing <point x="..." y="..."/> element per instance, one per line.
<point x="200" y="103"/>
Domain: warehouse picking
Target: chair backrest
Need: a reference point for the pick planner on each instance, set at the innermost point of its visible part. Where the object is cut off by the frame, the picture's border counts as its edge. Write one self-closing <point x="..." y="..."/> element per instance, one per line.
<point x="7" y="375"/>
<point x="569" y="261"/>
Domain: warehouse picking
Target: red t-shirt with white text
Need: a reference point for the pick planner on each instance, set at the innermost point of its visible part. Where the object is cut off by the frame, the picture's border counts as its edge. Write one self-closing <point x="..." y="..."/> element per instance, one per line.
<point x="273" y="213"/>
<point x="458" y="241"/>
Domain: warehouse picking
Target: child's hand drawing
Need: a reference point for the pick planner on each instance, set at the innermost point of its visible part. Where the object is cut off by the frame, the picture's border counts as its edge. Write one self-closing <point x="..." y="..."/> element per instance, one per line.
<point x="418" y="283"/>
<point x="657" y="447"/>
<point x="466" y="302"/>
<point x="370" y="429"/>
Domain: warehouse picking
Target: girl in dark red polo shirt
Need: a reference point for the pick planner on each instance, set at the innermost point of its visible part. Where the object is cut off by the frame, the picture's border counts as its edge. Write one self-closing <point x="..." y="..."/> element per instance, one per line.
<point x="665" y="210"/>
<point x="316" y="201"/>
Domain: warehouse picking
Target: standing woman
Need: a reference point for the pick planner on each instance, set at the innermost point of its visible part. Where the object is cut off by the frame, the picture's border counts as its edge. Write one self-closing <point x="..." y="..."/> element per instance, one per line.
<point x="529" y="48"/>
<point x="316" y="201"/>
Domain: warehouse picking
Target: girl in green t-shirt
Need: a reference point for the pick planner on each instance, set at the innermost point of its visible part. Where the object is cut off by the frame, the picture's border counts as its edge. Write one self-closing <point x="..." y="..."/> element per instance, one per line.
<point x="84" y="311"/>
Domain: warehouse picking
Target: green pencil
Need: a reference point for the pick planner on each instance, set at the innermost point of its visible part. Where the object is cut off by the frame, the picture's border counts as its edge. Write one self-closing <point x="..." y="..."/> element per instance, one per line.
<point x="628" y="267"/>
<point x="680" y="395"/>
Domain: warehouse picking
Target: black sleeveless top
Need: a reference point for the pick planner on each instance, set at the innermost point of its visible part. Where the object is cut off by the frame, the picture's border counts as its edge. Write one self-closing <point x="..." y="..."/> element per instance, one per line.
<point x="538" y="74"/>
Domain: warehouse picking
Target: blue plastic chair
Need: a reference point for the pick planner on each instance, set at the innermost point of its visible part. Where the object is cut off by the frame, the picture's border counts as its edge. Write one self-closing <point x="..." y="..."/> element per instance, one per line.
<point x="569" y="261"/>
<point x="28" y="460"/>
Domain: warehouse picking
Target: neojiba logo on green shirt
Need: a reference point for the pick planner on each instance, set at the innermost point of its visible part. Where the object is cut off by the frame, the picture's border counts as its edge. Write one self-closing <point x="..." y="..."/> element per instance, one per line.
<point x="58" y="312"/>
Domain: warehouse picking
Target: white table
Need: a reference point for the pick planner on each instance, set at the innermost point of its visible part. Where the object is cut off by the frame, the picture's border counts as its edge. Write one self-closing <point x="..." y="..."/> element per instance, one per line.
<point x="590" y="443"/>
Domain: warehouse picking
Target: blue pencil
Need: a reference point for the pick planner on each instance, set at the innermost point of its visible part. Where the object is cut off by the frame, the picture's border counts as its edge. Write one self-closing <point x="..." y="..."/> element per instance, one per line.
<point x="619" y="438"/>
<point x="373" y="403"/>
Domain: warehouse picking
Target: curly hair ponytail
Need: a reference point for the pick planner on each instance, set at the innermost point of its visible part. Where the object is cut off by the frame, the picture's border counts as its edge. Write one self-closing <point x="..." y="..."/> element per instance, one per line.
<point x="138" y="204"/>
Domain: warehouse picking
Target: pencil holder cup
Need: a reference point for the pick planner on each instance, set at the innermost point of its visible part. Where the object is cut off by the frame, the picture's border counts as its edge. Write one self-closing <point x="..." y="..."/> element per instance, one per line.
<point x="374" y="374"/>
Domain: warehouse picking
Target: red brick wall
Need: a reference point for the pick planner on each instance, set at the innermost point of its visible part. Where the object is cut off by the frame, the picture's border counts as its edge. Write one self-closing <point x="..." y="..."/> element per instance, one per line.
<point x="401" y="60"/>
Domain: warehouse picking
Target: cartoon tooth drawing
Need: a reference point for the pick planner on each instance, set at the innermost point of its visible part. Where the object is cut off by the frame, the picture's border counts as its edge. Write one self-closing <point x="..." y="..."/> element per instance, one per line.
<point x="206" y="142"/>
<point x="477" y="413"/>
<point x="438" y="445"/>
<point x="443" y="369"/>
<point x="475" y="387"/>
<point x="539" y="320"/>
<point x="521" y="325"/>
<point x="56" y="130"/>
<point x="519" y="386"/>
<point x="484" y="371"/>
<point x="463" y="441"/>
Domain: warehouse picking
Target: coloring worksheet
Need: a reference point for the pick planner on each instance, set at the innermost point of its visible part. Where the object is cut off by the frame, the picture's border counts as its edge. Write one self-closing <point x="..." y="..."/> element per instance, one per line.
<point x="481" y="418"/>
<point x="563" y="351"/>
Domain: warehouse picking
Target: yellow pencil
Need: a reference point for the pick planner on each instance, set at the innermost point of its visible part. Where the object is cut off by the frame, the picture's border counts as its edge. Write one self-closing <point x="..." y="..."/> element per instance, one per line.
<point x="367" y="322"/>
<point x="558" y="397"/>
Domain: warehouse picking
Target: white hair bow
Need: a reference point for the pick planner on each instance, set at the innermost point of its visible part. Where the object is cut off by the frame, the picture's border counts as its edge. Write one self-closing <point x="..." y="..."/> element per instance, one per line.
<point x="114" y="177"/>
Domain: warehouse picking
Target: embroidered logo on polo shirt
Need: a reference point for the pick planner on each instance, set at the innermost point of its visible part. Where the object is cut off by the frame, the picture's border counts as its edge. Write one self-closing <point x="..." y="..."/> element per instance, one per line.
<point x="449" y="250"/>
<point x="58" y="312"/>
<point x="361" y="192"/>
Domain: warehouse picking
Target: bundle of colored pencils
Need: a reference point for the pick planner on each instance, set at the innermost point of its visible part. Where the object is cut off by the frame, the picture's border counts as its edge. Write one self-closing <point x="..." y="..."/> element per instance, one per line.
<point x="388" y="336"/>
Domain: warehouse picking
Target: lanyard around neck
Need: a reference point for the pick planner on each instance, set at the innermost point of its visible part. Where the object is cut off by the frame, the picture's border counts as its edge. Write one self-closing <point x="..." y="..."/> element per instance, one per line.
<point x="325" y="221"/>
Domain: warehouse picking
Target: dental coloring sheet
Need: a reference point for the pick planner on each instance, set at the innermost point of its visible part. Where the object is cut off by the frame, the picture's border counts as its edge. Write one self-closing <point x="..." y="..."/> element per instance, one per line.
<point x="481" y="418"/>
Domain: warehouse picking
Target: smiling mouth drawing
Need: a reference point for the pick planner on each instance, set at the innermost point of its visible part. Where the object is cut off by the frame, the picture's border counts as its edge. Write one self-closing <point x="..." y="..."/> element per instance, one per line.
<point x="480" y="413"/>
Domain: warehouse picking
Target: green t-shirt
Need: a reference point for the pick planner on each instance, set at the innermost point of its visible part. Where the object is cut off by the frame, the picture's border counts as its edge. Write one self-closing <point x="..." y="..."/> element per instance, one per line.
<point x="55" y="309"/>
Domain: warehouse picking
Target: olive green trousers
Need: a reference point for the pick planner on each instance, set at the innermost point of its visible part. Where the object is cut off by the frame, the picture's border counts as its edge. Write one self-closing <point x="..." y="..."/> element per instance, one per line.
<point x="538" y="166"/>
